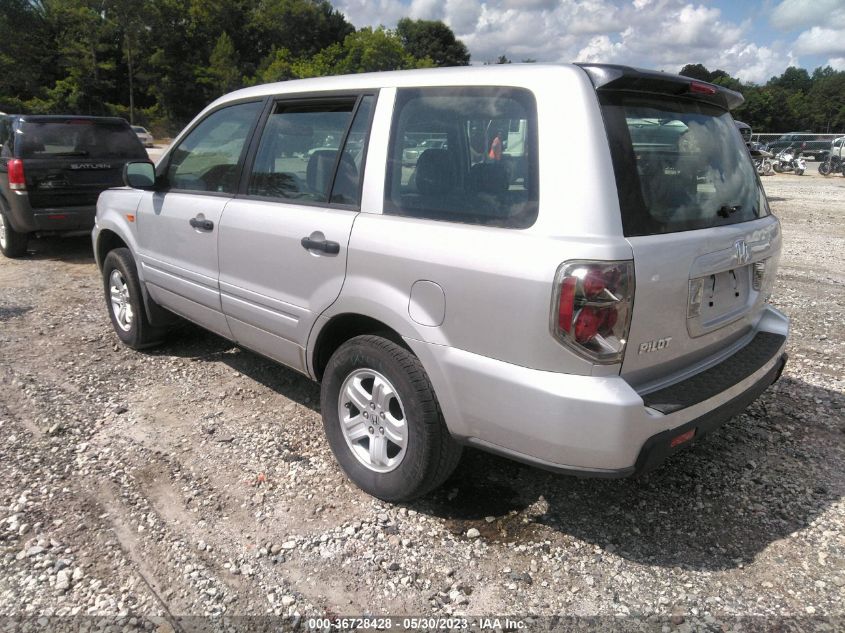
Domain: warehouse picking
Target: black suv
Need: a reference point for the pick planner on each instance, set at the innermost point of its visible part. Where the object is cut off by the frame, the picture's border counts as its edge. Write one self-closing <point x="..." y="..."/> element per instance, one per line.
<point x="53" y="168"/>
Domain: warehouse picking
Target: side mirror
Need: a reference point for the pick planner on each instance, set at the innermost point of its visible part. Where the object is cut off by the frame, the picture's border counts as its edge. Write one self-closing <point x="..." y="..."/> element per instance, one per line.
<point x="139" y="175"/>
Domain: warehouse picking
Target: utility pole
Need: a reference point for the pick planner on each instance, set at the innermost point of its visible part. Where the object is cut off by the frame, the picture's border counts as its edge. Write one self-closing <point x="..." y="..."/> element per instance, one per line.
<point x="131" y="87"/>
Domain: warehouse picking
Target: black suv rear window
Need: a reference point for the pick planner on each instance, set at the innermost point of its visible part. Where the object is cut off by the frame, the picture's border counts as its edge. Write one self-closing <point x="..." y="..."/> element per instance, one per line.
<point x="85" y="138"/>
<point x="680" y="165"/>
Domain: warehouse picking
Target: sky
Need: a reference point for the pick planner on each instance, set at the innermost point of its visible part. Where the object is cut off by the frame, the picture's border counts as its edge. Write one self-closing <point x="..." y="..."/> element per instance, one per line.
<point x="750" y="39"/>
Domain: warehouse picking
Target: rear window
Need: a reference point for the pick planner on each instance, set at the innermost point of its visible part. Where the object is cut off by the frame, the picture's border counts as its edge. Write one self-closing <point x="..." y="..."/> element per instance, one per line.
<point x="83" y="138"/>
<point x="679" y="164"/>
<point x="466" y="154"/>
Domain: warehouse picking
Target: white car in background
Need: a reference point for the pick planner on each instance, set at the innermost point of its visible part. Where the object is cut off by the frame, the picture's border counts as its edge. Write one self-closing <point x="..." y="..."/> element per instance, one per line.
<point x="143" y="135"/>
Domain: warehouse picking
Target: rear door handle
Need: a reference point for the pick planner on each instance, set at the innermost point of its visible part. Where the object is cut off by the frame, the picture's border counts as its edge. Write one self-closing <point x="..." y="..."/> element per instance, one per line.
<point x="201" y="224"/>
<point x="327" y="246"/>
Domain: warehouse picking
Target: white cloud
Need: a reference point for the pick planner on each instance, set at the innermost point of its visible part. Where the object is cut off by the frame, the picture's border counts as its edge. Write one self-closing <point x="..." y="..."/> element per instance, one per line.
<point x="820" y="41"/>
<point x="660" y="34"/>
<point x="750" y="62"/>
<point x="462" y="14"/>
<point x="837" y="63"/>
<point x="790" y="15"/>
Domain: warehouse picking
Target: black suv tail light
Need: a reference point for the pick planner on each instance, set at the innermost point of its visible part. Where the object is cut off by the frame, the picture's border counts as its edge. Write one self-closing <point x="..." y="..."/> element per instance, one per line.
<point x="17" y="179"/>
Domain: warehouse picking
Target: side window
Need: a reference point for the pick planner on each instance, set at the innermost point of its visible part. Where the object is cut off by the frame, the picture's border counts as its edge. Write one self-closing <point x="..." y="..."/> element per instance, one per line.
<point x="350" y="169"/>
<point x="298" y="151"/>
<point x="207" y="158"/>
<point x="465" y="154"/>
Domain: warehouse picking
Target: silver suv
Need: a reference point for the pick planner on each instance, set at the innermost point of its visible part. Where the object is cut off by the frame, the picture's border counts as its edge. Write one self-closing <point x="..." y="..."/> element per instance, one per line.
<point x="576" y="278"/>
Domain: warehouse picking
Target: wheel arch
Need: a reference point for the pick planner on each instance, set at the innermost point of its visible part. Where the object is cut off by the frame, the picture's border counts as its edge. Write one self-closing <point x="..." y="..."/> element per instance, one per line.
<point x="338" y="329"/>
<point x="107" y="241"/>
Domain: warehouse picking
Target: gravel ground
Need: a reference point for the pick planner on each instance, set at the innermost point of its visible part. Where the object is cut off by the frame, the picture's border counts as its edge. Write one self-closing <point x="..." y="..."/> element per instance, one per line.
<point x="194" y="480"/>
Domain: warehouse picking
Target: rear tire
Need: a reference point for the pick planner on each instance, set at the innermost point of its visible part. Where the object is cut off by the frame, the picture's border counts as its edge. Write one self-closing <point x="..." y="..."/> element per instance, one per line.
<point x="778" y="169"/>
<point x="376" y="394"/>
<point x="125" y="302"/>
<point x="824" y="168"/>
<point x="12" y="243"/>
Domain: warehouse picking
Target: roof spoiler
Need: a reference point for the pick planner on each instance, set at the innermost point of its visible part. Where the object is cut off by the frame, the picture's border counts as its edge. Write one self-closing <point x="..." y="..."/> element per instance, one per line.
<point x="614" y="77"/>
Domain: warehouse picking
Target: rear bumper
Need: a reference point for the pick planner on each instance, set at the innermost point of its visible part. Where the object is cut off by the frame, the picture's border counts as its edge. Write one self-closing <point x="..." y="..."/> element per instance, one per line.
<point x="586" y="425"/>
<point x="658" y="447"/>
<point x="26" y="219"/>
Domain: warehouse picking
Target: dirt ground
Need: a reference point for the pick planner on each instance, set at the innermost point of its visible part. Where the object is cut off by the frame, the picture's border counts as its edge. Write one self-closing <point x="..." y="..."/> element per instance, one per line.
<point x="194" y="480"/>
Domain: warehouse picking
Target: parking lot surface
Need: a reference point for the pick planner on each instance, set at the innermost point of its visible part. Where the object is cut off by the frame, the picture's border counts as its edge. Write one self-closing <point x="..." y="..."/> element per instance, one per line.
<point x="194" y="479"/>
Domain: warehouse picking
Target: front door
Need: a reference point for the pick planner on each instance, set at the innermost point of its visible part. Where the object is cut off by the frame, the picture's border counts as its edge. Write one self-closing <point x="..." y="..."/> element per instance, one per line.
<point x="283" y="242"/>
<point x="178" y="226"/>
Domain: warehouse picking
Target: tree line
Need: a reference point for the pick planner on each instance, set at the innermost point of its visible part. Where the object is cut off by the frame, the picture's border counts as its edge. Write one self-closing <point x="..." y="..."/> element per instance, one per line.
<point x="158" y="62"/>
<point x="795" y="101"/>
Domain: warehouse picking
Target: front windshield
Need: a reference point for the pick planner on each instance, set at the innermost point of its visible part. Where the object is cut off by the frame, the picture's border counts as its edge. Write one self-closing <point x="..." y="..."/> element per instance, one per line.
<point x="680" y="165"/>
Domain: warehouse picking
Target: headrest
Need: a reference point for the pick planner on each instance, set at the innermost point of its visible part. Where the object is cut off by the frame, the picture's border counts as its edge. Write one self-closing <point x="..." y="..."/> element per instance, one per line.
<point x="489" y="177"/>
<point x="319" y="170"/>
<point x="435" y="173"/>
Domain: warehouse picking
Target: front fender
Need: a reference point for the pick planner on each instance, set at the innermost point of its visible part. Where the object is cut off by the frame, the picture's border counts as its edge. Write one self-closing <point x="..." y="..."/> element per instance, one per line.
<point x="117" y="211"/>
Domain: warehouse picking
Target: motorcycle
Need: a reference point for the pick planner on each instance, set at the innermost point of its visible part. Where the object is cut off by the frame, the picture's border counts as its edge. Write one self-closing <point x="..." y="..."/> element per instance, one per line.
<point x="762" y="161"/>
<point x="831" y="165"/>
<point x="789" y="159"/>
<point x="835" y="162"/>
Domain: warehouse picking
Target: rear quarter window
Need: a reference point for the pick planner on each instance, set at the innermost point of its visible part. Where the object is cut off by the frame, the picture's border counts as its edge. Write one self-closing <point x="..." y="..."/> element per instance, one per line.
<point x="464" y="154"/>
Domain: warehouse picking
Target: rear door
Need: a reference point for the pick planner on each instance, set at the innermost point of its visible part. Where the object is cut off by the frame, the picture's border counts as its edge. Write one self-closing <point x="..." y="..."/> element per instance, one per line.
<point x="283" y="240"/>
<point x="178" y="225"/>
<point x="69" y="161"/>
<point x="704" y="242"/>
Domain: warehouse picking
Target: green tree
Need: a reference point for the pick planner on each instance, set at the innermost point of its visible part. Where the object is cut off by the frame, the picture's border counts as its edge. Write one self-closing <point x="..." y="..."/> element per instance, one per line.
<point x="304" y="27"/>
<point x="827" y="97"/>
<point x="27" y="54"/>
<point x="696" y="71"/>
<point x="222" y="74"/>
<point x="371" y="50"/>
<point x="86" y="57"/>
<point x="793" y="79"/>
<point x="434" y="40"/>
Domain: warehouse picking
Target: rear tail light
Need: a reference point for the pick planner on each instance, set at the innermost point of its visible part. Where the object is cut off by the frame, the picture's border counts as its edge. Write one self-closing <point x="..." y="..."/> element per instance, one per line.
<point x="591" y="308"/>
<point x="17" y="180"/>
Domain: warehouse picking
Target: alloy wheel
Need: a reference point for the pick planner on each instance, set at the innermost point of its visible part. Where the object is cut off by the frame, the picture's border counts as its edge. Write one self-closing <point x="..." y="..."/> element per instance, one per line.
<point x="120" y="304"/>
<point x="372" y="420"/>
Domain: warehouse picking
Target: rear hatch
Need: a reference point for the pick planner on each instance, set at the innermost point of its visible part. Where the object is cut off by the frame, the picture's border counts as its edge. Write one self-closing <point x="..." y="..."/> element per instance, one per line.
<point x="704" y="242"/>
<point x="69" y="161"/>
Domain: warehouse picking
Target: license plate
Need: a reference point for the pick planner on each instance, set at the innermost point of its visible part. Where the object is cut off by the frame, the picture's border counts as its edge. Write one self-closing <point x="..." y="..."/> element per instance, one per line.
<point x="717" y="299"/>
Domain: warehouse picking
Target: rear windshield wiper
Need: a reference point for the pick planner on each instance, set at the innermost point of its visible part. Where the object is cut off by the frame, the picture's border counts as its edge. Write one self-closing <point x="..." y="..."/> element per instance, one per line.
<point x="725" y="210"/>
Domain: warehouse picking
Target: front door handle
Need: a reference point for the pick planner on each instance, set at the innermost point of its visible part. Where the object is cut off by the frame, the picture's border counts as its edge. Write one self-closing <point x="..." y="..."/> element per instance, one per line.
<point x="327" y="246"/>
<point x="202" y="224"/>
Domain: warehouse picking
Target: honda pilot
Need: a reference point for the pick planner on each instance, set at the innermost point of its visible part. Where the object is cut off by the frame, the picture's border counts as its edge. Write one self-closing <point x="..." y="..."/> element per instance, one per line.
<point x="590" y="311"/>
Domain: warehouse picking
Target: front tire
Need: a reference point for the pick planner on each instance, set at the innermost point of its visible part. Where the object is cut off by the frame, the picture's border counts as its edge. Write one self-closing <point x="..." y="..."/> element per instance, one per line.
<point x="12" y="243"/>
<point x="125" y="303"/>
<point x="824" y="168"/>
<point x="383" y="422"/>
